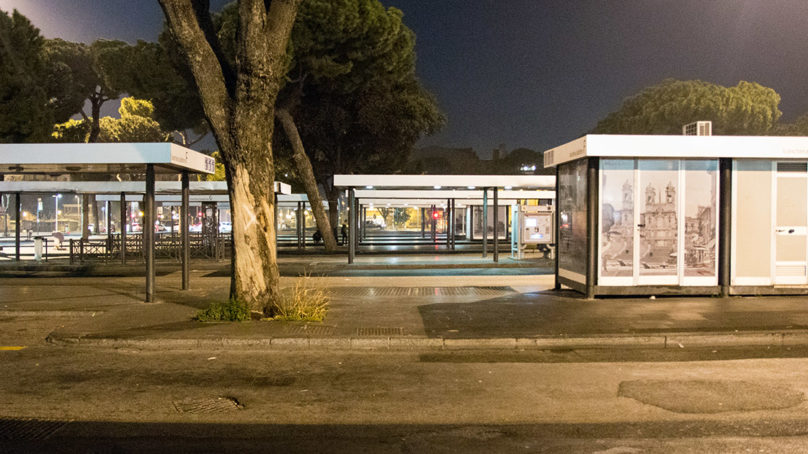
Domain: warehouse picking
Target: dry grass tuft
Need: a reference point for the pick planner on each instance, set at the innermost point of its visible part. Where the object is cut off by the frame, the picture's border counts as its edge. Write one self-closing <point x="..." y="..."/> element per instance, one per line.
<point x="306" y="301"/>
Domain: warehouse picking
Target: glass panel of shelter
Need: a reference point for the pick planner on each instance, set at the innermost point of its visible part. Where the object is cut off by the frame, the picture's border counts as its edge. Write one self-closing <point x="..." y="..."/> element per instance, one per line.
<point x="658" y="222"/>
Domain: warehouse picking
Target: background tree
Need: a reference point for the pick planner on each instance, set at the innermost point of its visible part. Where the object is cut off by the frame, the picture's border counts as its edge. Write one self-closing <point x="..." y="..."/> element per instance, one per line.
<point x="386" y="213"/>
<point x="798" y="127"/>
<point x="153" y="71"/>
<point x="747" y="108"/>
<point x="136" y="124"/>
<point x="25" y="112"/>
<point x="401" y="216"/>
<point x="351" y="102"/>
<point x="77" y="74"/>
<point x="238" y="100"/>
<point x="353" y="92"/>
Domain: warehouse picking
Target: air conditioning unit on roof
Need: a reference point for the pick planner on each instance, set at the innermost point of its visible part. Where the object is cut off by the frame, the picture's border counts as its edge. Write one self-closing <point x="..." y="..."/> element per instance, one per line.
<point x="698" y="128"/>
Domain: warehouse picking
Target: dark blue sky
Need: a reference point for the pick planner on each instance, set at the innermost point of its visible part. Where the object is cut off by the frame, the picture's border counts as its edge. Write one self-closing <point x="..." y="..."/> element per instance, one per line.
<point x="534" y="73"/>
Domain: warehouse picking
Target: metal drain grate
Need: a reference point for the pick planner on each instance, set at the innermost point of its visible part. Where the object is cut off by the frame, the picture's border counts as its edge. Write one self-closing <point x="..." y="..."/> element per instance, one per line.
<point x="209" y="405"/>
<point x="29" y="429"/>
<point x="312" y="330"/>
<point x="375" y="332"/>
<point x="420" y="291"/>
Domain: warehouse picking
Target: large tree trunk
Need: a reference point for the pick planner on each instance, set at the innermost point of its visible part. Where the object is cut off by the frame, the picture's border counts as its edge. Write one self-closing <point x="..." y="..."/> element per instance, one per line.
<point x="239" y="106"/>
<point x="254" y="261"/>
<point x="306" y="173"/>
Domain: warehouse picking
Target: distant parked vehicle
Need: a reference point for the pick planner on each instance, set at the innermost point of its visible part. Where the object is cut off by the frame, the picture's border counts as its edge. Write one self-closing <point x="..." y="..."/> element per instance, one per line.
<point x="225" y="227"/>
<point x="195" y="228"/>
<point x="374" y="224"/>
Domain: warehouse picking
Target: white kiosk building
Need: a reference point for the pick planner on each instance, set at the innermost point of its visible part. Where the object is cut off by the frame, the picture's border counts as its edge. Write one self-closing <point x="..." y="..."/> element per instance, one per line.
<point x="682" y="214"/>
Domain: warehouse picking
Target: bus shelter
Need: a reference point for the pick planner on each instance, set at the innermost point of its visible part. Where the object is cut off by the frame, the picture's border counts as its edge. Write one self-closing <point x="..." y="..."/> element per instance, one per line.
<point x="463" y="213"/>
<point x="210" y="198"/>
<point x="682" y="214"/>
<point x="445" y="188"/>
<point x="132" y="159"/>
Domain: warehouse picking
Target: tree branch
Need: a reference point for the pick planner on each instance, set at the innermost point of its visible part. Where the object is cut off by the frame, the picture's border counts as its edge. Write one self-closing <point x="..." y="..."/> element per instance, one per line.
<point x="183" y="20"/>
<point x="262" y="38"/>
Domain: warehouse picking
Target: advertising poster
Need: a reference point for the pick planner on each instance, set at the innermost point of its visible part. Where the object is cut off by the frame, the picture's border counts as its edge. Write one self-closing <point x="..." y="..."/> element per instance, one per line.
<point x="617" y="217"/>
<point x="701" y="220"/>
<point x="572" y="216"/>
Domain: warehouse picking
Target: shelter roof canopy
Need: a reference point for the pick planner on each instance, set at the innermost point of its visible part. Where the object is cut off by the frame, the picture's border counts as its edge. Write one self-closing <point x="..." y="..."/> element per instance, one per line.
<point x="101" y="158"/>
<point x="445" y="181"/>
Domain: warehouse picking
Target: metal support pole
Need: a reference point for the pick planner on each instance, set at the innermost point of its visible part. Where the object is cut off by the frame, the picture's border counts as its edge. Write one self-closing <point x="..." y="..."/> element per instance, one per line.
<point x="724" y="225"/>
<point x="274" y="213"/>
<point x="109" y="229"/>
<point x="432" y="224"/>
<point x="352" y="224"/>
<point x="556" y="229"/>
<point x="454" y="222"/>
<point x="423" y="223"/>
<point x="303" y="225"/>
<point x="591" y="226"/>
<point x="363" y="216"/>
<point x="298" y="222"/>
<point x="148" y="232"/>
<point x="18" y="224"/>
<point x="447" y="222"/>
<point x="123" y="228"/>
<point x="496" y="225"/>
<point x="184" y="238"/>
<point x="485" y="222"/>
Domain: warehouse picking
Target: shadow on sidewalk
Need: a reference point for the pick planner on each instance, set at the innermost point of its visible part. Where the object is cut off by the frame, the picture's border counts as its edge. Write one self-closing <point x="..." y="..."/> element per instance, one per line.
<point x="565" y="313"/>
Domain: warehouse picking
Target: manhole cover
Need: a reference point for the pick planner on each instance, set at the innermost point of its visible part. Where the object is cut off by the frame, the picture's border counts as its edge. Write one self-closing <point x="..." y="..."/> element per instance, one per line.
<point x="208" y="405"/>
<point x="311" y="330"/>
<point x="710" y="396"/>
<point x="28" y="429"/>
<point x="419" y="291"/>
<point x="376" y="332"/>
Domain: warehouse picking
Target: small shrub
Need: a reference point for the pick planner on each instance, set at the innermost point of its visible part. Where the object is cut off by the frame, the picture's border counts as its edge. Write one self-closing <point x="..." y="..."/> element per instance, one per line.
<point x="304" y="302"/>
<point x="231" y="311"/>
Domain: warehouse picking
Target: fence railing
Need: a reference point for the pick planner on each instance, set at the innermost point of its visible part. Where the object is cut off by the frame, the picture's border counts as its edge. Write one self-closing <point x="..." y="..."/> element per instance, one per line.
<point x="166" y="247"/>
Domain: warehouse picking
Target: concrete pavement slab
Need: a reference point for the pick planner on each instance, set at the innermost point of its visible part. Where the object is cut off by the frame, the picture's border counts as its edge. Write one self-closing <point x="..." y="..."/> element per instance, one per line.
<point x="404" y="312"/>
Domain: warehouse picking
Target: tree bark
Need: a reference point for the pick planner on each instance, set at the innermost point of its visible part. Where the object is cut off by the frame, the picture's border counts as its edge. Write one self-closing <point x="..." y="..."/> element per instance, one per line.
<point x="95" y="124"/>
<point x="239" y="106"/>
<point x="85" y="217"/>
<point x="333" y="205"/>
<point x="306" y="173"/>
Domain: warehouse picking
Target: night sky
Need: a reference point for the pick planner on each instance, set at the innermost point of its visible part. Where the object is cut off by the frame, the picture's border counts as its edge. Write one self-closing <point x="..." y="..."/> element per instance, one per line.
<point x="532" y="73"/>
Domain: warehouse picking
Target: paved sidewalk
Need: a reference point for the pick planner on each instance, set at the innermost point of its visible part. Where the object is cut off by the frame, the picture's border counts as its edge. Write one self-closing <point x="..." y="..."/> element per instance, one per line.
<point x="294" y="265"/>
<point x="403" y="312"/>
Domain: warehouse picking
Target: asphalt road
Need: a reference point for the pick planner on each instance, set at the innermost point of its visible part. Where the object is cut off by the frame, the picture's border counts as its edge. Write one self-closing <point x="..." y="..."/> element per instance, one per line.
<point x="67" y="399"/>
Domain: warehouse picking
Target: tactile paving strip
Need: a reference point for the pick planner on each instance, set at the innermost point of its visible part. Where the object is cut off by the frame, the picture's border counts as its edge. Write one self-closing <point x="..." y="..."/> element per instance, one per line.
<point x="314" y="330"/>
<point x="209" y="405"/>
<point x="419" y="291"/>
<point x="29" y="429"/>
<point x="376" y="332"/>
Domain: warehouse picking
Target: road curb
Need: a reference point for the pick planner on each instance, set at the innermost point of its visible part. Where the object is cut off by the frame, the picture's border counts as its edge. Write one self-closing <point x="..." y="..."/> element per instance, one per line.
<point x="404" y="343"/>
